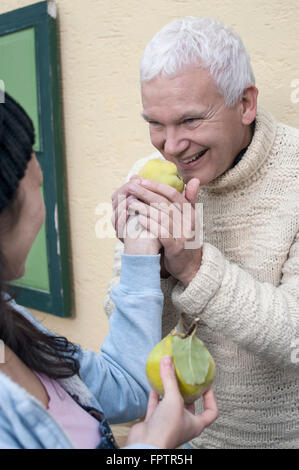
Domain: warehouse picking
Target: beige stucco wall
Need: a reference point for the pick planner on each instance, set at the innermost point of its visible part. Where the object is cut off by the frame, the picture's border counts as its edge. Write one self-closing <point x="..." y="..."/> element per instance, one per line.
<point x="101" y="46"/>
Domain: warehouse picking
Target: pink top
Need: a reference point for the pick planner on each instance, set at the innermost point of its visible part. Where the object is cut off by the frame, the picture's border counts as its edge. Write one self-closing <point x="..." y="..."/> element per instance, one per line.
<point x="82" y="429"/>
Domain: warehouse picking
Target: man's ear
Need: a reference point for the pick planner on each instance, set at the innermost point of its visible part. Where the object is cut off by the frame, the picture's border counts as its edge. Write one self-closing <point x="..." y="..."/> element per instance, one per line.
<point x="249" y="105"/>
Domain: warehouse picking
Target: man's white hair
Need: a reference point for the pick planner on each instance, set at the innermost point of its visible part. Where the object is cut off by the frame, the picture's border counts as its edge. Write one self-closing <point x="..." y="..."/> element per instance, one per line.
<point x="203" y="42"/>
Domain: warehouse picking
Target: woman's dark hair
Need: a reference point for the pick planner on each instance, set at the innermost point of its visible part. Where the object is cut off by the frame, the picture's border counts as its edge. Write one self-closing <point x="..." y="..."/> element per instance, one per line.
<point x="45" y="353"/>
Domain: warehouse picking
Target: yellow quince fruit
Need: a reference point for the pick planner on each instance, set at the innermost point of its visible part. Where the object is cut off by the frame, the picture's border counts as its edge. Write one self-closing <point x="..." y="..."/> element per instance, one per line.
<point x="194" y="365"/>
<point x="163" y="172"/>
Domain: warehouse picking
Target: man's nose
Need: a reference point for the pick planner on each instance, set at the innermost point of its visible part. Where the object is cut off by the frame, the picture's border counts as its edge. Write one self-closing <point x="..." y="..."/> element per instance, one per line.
<point x="174" y="143"/>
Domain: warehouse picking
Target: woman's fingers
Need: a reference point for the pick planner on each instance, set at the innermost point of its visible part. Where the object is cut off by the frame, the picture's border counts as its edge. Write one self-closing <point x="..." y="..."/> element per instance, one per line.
<point x="152" y="404"/>
<point x="210" y="413"/>
<point x="120" y="215"/>
<point x="122" y="204"/>
<point x="191" y="408"/>
<point x="169" y="380"/>
<point x="121" y="199"/>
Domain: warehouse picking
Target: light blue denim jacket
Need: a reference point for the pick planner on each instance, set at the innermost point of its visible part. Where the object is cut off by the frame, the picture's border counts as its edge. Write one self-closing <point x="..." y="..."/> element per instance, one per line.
<point x="113" y="381"/>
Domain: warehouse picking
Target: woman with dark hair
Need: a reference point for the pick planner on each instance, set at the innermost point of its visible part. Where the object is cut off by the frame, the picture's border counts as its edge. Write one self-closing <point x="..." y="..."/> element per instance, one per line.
<point x="52" y="393"/>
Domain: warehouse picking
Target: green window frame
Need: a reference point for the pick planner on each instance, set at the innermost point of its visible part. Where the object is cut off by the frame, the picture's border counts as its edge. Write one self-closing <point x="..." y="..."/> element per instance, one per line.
<point x="54" y="297"/>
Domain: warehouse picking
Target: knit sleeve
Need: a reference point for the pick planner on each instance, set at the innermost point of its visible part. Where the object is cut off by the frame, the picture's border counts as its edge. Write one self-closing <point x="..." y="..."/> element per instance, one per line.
<point x="260" y="317"/>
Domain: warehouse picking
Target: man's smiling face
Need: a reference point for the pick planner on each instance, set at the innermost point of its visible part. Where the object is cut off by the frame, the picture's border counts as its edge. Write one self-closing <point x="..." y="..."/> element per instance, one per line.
<point x="189" y="119"/>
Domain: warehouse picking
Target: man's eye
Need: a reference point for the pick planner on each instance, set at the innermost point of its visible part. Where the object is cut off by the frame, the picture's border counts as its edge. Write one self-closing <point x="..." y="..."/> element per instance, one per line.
<point x="190" y="121"/>
<point x="154" y="124"/>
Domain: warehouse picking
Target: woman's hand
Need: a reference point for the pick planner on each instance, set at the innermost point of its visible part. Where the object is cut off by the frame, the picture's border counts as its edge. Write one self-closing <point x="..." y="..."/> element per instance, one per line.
<point x="137" y="240"/>
<point x="145" y="244"/>
<point x="170" y="423"/>
<point x="172" y="217"/>
<point x="120" y="201"/>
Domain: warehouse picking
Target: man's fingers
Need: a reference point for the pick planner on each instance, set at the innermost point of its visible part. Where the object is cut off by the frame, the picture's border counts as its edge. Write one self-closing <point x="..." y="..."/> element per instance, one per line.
<point x="122" y="192"/>
<point x="157" y="218"/>
<point x="151" y="191"/>
<point x="134" y="177"/>
<point x="154" y="228"/>
<point x="168" y="217"/>
<point x="191" y="190"/>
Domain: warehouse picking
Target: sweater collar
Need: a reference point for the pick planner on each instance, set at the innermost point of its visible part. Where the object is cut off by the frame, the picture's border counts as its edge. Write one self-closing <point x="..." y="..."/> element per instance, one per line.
<point x="252" y="159"/>
<point x="244" y="150"/>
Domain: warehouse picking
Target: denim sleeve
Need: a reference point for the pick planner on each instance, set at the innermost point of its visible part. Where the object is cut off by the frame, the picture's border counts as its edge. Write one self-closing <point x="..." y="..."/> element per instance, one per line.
<point x="7" y="439"/>
<point x="116" y="376"/>
<point x="140" y="445"/>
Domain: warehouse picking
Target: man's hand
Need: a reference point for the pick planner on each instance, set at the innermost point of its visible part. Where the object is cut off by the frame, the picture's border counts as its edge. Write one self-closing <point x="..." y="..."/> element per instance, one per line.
<point x="170" y="216"/>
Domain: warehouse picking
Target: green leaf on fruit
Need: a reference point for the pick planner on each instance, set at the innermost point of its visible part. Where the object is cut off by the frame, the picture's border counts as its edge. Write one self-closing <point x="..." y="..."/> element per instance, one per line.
<point x="191" y="359"/>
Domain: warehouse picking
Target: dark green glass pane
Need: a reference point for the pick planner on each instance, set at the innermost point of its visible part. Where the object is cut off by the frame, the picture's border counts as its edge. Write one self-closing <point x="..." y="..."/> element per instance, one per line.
<point x="18" y="72"/>
<point x="37" y="276"/>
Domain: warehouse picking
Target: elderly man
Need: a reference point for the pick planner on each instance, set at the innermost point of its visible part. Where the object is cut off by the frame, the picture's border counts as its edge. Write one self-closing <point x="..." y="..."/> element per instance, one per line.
<point x="200" y="100"/>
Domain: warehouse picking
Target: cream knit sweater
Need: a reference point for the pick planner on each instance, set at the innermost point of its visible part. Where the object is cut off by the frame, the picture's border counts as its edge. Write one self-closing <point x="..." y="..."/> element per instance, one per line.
<point x="246" y="293"/>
